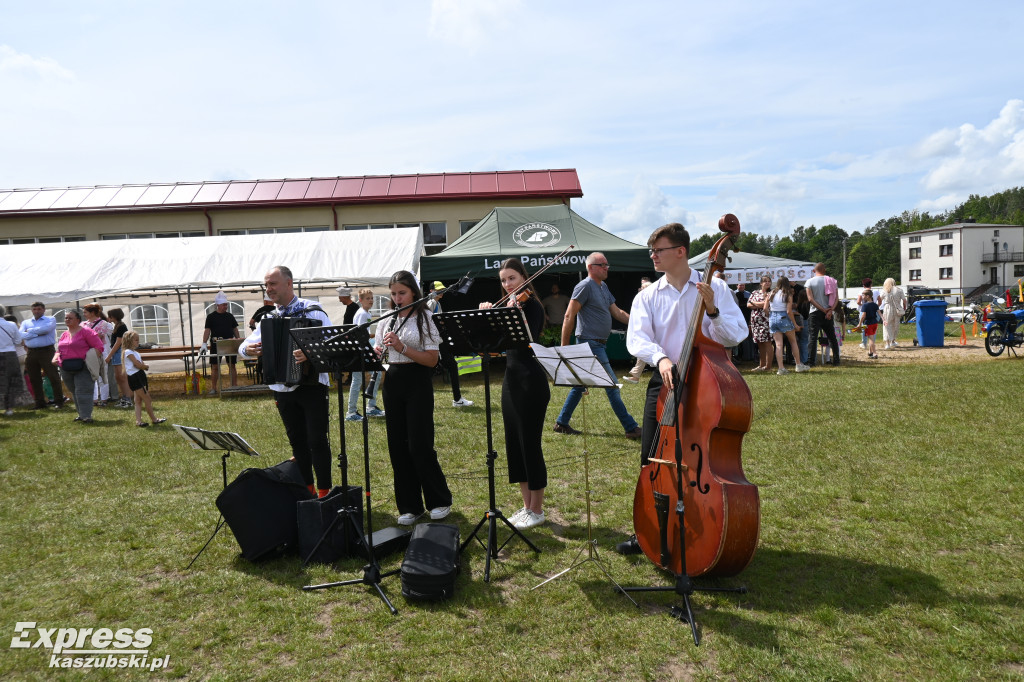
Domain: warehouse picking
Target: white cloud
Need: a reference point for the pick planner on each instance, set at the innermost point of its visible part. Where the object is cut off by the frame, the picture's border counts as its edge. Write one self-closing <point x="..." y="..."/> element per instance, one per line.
<point x="14" y="63"/>
<point x="982" y="160"/>
<point x="648" y="208"/>
<point x="468" y="23"/>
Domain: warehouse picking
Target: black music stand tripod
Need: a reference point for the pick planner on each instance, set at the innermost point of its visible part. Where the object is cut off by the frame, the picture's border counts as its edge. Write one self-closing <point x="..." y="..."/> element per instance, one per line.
<point x="201" y="439"/>
<point x="339" y="349"/>
<point x="683" y="585"/>
<point x="578" y="366"/>
<point x="482" y="332"/>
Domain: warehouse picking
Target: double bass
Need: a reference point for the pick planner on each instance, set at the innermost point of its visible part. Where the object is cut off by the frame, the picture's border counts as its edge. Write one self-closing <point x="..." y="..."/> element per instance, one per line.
<point x="701" y="424"/>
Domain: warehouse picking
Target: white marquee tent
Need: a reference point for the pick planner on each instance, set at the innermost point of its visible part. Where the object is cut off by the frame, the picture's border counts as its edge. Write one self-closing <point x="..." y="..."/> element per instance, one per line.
<point x="748" y="267"/>
<point x="78" y="271"/>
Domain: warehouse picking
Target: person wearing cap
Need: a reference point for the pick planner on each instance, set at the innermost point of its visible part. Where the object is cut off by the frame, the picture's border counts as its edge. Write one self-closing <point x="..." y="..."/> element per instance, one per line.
<point x="448" y="362"/>
<point x="220" y="324"/>
<point x="351" y="307"/>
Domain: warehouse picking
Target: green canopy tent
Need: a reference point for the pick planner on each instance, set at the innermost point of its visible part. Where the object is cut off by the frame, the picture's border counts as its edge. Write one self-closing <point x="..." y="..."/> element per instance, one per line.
<point x="535" y="234"/>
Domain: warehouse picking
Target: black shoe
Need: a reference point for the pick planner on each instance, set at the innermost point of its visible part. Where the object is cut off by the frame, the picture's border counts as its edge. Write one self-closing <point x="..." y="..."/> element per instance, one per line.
<point x="635" y="434"/>
<point x="629" y="546"/>
<point x="565" y="428"/>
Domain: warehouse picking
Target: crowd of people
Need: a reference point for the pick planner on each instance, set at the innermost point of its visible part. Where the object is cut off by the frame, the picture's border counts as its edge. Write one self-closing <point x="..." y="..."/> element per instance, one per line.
<point x="809" y="319"/>
<point x="87" y="359"/>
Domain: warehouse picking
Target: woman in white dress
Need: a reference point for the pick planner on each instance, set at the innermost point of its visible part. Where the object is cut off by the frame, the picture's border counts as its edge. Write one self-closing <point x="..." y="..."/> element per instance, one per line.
<point x="894" y="305"/>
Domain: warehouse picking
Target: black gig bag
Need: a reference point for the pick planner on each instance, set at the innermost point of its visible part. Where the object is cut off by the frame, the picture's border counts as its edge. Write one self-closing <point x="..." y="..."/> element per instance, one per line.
<point x="431" y="562"/>
<point x="260" y="508"/>
<point x="315" y="516"/>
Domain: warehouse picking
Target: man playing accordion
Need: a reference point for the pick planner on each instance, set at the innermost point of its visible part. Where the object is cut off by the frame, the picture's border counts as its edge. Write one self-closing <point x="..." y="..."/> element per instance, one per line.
<point x="303" y="406"/>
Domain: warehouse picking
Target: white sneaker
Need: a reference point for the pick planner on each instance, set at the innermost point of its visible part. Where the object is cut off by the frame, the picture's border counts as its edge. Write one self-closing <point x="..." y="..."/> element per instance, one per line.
<point x="439" y="513"/>
<point x="408" y="519"/>
<point x="630" y="379"/>
<point x="515" y="518"/>
<point x="529" y="520"/>
<point x="782" y="370"/>
<point x="461" y="402"/>
<point x="864" y="346"/>
<point x="894" y="344"/>
<point x="9" y="413"/>
<point x="802" y="368"/>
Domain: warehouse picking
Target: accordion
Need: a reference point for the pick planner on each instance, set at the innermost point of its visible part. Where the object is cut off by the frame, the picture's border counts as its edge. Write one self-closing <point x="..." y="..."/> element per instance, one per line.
<point x="279" y="365"/>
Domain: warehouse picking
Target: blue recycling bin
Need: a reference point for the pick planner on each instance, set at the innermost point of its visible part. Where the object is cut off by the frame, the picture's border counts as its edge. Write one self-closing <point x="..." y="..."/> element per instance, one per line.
<point x="931" y="322"/>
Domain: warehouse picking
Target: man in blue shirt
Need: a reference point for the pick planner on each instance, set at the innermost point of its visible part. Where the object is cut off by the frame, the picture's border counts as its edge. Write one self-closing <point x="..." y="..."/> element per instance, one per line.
<point x="590" y="313"/>
<point x="40" y="336"/>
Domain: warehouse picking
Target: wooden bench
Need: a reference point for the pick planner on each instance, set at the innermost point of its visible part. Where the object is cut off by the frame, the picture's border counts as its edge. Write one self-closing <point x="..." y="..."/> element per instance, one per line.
<point x="187" y="354"/>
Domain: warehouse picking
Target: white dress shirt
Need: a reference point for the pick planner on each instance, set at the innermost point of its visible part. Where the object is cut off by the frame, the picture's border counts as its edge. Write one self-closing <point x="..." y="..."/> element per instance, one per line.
<point x="660" y="317"/>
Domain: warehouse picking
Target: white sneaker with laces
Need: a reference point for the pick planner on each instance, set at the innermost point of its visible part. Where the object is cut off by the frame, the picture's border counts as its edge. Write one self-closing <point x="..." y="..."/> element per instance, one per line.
<point x="439" y="513"/>
<point x="408" y="519"/>
<point x="514" y="519"/>
<point x="782" y="371"/>
<point x="802" y="368"/>
<point x="461" y="402"/>
<point x="530" y="520"/>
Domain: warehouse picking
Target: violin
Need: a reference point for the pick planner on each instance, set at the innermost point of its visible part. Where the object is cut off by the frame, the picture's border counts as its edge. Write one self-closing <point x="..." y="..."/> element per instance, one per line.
<point x="521" y="293"/>
<point x="696" y="456"/>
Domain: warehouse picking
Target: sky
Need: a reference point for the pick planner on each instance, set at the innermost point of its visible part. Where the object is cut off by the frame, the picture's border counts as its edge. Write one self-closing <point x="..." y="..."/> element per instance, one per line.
<point x="785" y="113"/>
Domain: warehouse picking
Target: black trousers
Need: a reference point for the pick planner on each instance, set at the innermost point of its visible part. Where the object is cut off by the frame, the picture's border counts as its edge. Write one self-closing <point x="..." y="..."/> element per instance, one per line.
<point x="409" y="406"/>
<point x="649" y="430"/>
<point x="525" y="395"/>
<point x="816" y="322"/>
<point x="305" y="413"/>
<point x="451" y="367"/>
<point x="37" y="362"/>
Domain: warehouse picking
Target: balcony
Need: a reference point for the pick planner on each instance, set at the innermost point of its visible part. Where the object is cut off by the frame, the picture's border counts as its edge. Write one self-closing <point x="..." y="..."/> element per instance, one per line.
<point x="1003" y="257"/>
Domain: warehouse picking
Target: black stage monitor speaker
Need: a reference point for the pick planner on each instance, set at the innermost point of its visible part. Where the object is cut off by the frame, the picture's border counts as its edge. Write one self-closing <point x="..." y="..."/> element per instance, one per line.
<point x="260" y="508"/>
<point x="315" y="516"/>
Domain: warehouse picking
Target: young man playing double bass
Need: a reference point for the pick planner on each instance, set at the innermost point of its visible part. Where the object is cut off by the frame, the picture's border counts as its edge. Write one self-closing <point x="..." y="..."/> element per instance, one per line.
<point x="659" y="322"/>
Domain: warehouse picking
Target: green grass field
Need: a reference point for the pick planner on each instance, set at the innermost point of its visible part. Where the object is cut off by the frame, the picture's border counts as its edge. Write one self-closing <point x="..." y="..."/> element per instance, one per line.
<point x="891" y="546"/>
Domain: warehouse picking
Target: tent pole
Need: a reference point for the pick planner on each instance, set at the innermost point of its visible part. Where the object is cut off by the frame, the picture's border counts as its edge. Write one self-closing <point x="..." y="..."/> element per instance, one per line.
<point x="181" y="315"/>
<point x="191" y="331"/>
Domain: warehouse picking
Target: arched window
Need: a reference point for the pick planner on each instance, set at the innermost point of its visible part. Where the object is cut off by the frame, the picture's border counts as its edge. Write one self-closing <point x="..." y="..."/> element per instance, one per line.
<point x="59" y="317"/>
<point x="152" y="323"/>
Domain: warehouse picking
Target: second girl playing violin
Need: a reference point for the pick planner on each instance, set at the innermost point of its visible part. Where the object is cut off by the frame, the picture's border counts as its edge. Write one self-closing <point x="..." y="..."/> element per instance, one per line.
<point x="524" y="402"/>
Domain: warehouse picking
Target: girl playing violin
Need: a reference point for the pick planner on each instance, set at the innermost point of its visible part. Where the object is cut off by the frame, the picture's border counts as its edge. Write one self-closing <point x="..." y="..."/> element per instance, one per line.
<point x="524" y="402"/>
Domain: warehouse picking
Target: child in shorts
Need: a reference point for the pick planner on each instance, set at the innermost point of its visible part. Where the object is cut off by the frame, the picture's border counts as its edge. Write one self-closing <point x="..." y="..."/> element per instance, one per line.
<point x="135" y="368"/>
<point x="869" y="320"/>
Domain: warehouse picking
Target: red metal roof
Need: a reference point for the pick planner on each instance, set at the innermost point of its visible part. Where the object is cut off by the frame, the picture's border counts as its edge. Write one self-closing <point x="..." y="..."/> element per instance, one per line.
<point x="495" y="185"/>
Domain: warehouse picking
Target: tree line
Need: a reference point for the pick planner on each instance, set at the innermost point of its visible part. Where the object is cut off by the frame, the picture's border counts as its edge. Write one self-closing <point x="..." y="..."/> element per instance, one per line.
<point x="875" y="252"/>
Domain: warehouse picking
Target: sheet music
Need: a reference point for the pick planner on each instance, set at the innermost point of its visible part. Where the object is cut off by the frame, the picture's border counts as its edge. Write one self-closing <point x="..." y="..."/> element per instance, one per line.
<point x="201" y="439"/>
<point x="572" y="365"/>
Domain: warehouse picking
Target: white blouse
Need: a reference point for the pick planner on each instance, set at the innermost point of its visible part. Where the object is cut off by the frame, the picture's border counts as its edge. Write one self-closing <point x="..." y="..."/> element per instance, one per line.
<point x="408" y="334"/>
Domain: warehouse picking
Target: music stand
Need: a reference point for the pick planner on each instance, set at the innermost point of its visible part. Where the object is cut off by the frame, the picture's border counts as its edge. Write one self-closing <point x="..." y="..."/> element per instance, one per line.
<point x="201" y="439"/>
<point x="578" y="366"/>
<point x="347" y="349"/>
<point x="482" y="332"/>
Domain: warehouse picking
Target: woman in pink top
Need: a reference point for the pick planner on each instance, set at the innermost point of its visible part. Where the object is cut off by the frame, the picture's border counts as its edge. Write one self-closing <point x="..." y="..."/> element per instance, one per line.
<point x="72" y="348"/>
